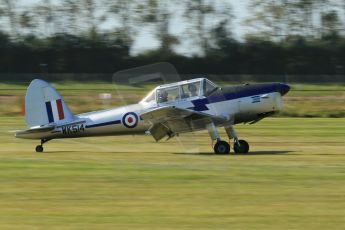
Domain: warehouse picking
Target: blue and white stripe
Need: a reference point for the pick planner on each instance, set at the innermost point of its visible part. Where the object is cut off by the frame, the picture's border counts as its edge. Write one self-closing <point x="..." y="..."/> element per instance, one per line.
<point x="256" y="99"/>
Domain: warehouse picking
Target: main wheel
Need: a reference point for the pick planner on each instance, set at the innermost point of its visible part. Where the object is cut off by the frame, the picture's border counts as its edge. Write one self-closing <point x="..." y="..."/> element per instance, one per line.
<point x="222" y="147"/>
<point x="241" y="146"/>
<point x="39" y="148"/>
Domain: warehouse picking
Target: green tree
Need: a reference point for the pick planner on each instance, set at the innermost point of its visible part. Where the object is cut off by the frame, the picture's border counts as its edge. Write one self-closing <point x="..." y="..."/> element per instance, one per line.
<point x="308" y="16"/>
<point x="47" y="17"/>
<point x="330" y="23"/>
<point x="280" y="19"/>
<point x="160" y="14"/>
<point x="127" y="17"/>
<point x="71" y="10"/>
<point x="270" y="20"/>
<point x="203" y="16"/>
<point x="26" y="22"/>
<point x="92" y="17"/>
<point x="2" y="15"/>
<point x="9" y="11"/>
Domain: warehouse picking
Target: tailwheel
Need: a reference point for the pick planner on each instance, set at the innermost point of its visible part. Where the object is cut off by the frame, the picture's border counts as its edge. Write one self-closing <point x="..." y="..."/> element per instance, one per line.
<point x="241" y="146"/>
<point x="222" y="147"/>
<point x="39" y="148"/>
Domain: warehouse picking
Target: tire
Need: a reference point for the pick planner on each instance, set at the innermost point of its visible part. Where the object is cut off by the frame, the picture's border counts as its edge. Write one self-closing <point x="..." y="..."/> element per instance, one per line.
<point x="39" y="148"/>
<point x="221" y="147"/>
<point x="242" y="147"/>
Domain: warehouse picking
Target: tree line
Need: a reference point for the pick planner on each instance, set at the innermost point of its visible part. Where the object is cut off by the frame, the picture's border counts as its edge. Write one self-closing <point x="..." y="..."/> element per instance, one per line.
<point x="283" y="36"/>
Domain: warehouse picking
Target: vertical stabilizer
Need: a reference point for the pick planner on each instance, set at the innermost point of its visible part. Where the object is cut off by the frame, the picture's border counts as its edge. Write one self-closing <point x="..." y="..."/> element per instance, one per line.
<point x="44" y="105"/>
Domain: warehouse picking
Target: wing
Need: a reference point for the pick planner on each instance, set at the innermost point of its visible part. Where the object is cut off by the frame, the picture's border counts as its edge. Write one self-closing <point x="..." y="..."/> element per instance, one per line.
<point x="171" y="120"/>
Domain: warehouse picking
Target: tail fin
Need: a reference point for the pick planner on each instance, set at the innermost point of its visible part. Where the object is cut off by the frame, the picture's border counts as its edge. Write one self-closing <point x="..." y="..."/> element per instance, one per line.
<point x="44" y="105"/>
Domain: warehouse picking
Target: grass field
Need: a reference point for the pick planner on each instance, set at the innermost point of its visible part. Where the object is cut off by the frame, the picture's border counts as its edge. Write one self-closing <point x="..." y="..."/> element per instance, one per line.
<point x="293" y="179"/>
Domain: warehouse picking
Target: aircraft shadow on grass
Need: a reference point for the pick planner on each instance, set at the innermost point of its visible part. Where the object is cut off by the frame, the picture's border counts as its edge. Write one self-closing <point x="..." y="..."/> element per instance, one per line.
<point x="276" y="152"/>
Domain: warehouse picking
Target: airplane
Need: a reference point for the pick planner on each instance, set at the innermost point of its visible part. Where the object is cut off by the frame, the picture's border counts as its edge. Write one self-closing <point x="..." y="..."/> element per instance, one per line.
<point x="167" y="111"/>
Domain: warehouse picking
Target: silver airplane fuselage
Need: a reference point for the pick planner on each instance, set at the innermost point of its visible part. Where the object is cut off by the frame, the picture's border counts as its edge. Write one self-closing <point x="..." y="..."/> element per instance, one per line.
<point x="245" y="103"/>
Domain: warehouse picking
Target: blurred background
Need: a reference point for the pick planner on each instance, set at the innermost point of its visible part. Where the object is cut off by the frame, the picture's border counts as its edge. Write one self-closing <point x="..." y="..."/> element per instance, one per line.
<point x="79" y="44"/>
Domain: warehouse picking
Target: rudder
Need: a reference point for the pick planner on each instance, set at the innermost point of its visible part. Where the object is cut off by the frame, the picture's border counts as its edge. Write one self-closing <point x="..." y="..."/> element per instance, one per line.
<point x="44" y="105"/>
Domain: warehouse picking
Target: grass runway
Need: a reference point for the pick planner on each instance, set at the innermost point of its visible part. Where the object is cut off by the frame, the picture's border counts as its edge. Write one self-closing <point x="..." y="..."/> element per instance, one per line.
<point x="294" y="178"/>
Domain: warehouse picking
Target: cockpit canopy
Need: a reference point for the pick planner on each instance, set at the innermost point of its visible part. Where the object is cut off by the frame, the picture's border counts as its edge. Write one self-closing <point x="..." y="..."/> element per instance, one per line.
<point x="183" y="90"/>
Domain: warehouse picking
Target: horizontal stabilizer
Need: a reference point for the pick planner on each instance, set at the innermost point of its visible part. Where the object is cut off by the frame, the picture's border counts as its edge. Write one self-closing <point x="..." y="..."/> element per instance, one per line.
<point x="33" y="131"/>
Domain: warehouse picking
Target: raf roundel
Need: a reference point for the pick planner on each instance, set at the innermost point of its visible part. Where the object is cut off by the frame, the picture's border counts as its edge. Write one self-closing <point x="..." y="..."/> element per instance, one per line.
<point x="130" y="120"/>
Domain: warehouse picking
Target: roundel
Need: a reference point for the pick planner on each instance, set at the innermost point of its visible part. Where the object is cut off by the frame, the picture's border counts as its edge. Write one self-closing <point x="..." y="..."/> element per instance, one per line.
<point x="130" y="120"/>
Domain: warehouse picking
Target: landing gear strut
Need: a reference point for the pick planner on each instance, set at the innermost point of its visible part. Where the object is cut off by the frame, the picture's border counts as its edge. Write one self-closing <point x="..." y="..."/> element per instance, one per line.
<point x="39" y="148"/>
<point x="221" y="147"/>
<point x="240" y="146"/>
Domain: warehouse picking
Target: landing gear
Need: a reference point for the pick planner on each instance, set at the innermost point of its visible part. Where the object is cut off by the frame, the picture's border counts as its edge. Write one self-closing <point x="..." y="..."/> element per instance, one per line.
<point x="222" y="147"/>
<point x="39" y="148"/>
<point x="240" y="146"/>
